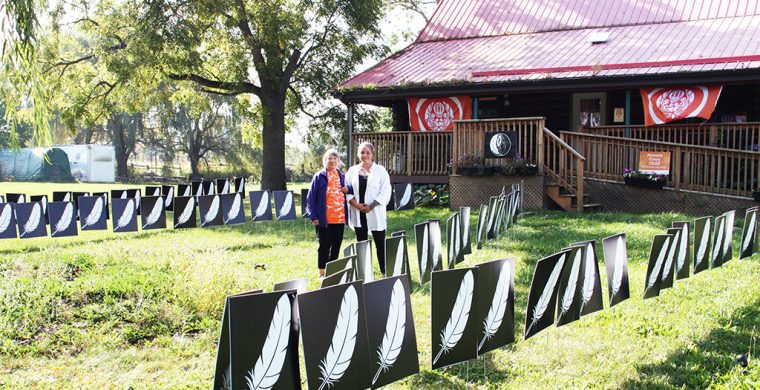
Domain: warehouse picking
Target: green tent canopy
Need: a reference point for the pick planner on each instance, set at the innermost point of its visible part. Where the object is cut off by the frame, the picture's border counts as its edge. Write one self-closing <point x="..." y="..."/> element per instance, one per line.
<point x="35" y="164"/>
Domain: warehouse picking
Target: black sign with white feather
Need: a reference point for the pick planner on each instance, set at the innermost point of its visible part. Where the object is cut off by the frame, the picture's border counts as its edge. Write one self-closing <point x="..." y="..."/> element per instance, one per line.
<point x="591" y="285"/>
<point x="31" y="221"/>
<point x="749" y="234"/>
<point x="124" y="215"/>
<point x="168" y="194"/>
<point x="232" y="208"/>
<point x="454" y="318"/>
<point x="404" y="196"/>
<point x="658" y="255"/>
<point x="43" y="199"/>
<point x="261" y="206"/>
<point x="616" y="264"/>
<point x="284" y="205"/>
<point x="544" y="289"/>
<point x="210" y="209"/>
<point x="569" y="296"/>
<point x="7" y="221"/>
<point x="185" y="212"/>
<point x="496" y="304"/>
<point x="153" y="213"/>
<point x="63" y="220"/>
<point x="93" y="213"/>
<point x="719" y="230"/>
<point x="223" y="372"/>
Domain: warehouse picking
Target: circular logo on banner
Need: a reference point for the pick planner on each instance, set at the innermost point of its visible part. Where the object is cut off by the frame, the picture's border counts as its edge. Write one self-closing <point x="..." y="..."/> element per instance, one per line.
<point x="670" y="104"/>
<point x="500" y="145"/>
<point x="438" y="114"/>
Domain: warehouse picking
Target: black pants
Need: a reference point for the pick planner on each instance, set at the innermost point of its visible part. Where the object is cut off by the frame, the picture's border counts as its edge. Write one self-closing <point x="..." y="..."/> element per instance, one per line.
<point x="329" y="239"/>
<point x="378" y="238"/>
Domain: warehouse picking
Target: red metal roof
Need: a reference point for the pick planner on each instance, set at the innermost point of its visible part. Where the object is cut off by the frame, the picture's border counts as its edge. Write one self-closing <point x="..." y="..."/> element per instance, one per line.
<point x="550" y="40"/>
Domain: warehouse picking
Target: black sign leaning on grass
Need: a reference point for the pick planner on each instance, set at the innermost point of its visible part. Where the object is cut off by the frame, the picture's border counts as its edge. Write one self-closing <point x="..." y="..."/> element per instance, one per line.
<point x="392" y="343"/>
<point x="2" y="199"/>
<point x="15" y="198"/>
<point x="208" y="188"/>
<point x="152" y="191"/>
<point x="62" y="196"/>
<point x="591" y="285"/>
<point x="134" y="193"/>
<point x="702" y="243"/>
<point x="728" y="237"/>
<point x="30" y="220"/>
<point x="233" y="211"/>
<point x="261" y="206"/>
<point x="222" y="186"/>
<point x="334" y="334"/>
<point x="296" y="284"/>
<point x="119" y="194"/>
<point x="264" y="341"/>
<point x="93" y="213"/>
<point x="340" y="277"/>
<point x="395" y="256"/>
<point x="464" y="219"/>
<point x="683" y="254"/>
<point x="756" y="245"/>
<point x="492" y="211"/>
<point x="482" y="220"/>
<point x="124" y="215"/>
<point x="495" y="292"/>
<point x="407" y="269"/>
<point x="421" y="231"/>
<point x="196" y="187"/>
<point x="542" y="299"/>
<point x="434" y="235"/>
<point x="105" y="196"/>
<point x="210" y="210"/>
<point x="749" y="234"/>
<point x="719" y="229"/>
<point x="185" y="212"/>
<point x="364" y="261"/>
<point x="7" y="221"/>
<point x="657" y="257"/>
<point x="454" y="316"/>
<point x="349" y="250"/>
<point x="679" y="258"/>
<point x="404" y="196"/>
<point x="43" y="199"/>
<point x="616" y="264"/>
<point x="63" y="219"/>
<point x="452" y="241"/>
<point x="184" y="190"/>
<point x="240" y="185"/>
<point x="344" y="263"/>
<point x="153" y="213"/>
<point x="304" y="204"/>
<point x="569" y="295"/>
<point x="669" y="266"/>
<point x="168" y="194"/>
<point x="223" y="371"/>
<point x="284" y="205"/>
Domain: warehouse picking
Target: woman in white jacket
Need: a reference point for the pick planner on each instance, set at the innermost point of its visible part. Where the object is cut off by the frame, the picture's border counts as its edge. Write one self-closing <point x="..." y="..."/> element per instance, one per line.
<point x="369" y="193"/>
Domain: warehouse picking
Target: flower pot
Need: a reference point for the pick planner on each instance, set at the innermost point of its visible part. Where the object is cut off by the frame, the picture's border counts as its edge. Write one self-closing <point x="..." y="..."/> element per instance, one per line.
<point x="644" y="183"/>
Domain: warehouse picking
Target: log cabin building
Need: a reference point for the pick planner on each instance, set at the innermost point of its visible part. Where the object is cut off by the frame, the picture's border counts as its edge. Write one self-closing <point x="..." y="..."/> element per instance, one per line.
<point x="585" y="87"/>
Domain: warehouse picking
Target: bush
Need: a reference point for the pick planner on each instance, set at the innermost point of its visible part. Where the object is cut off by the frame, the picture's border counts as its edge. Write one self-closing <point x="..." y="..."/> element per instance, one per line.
<point x="436" y="195"/>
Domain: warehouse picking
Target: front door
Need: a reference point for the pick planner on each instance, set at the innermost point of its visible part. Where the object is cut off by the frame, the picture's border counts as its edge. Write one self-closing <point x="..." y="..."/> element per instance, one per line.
<point x="589" y="110"/>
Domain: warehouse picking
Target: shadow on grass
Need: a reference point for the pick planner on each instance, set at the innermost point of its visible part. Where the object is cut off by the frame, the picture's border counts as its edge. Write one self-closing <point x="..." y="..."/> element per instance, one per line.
<point x="710" y="358"/>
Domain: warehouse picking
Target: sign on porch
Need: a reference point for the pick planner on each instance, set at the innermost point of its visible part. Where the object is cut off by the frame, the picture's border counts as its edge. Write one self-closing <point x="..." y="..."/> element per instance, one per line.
<point x="438" y="114"/>
<point x="655" y="163"/>
<point x="501" y="144"/>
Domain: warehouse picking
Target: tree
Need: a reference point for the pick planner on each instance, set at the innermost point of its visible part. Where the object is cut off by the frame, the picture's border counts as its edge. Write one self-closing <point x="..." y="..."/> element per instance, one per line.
<point x="276" y="50"/>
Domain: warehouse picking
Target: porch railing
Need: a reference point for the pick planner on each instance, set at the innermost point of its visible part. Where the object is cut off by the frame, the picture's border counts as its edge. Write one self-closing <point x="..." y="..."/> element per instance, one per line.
<point x="410" y="153"/>
<point x="564" y="165"/>
<point x="692" y="167"/>
<point x="739" y="136"/>
<point x="469" y="137"/>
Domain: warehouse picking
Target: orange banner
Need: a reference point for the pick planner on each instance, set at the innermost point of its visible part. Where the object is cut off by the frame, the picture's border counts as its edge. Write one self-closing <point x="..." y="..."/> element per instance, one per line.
<point x="438" y="114"/>
<point x="657" y="163"/>
<point x="662" y="105"/>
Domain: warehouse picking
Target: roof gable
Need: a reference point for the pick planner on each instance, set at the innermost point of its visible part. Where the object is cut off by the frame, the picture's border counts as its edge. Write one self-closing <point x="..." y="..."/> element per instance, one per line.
<point x="457" y="19"/>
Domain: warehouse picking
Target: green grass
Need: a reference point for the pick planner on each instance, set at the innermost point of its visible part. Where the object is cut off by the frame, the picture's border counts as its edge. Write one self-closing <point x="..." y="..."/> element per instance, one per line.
<point x="106" y="310"/>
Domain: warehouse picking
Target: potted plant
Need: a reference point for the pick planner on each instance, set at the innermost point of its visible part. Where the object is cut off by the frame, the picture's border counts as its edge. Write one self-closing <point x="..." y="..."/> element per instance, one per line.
<point x="517" y="166"/>
<point x="641" y="179"/>
<point x="472" y="165"/>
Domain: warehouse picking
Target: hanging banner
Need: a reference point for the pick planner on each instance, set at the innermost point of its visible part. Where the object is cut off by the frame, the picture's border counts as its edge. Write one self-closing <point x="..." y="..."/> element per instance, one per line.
<point x="662" y="105"/>
<point x="438" y="114"/>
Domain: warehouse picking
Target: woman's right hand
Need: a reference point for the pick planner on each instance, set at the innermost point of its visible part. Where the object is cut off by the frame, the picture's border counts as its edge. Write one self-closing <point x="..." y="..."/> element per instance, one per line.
<point x="315" y="222"/>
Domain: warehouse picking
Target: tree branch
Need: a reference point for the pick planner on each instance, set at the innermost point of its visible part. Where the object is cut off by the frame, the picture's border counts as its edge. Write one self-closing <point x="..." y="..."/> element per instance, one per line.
<point x="232" y="88"/>
<point x="303" y="109"/>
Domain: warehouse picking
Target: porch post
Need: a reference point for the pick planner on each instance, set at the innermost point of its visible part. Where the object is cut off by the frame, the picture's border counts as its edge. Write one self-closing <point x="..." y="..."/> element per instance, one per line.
<point x="627" y="113"/>
<point x="350" y="131"/>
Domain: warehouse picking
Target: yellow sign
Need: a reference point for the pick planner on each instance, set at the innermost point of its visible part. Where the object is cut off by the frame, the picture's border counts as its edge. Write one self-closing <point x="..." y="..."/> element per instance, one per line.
<point x="657" y="163"/>
<point x="619" y="115"/>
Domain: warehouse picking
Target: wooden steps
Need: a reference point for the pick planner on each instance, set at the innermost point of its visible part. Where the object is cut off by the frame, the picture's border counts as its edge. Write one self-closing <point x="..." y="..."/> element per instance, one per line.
<point x="569" y="201"/>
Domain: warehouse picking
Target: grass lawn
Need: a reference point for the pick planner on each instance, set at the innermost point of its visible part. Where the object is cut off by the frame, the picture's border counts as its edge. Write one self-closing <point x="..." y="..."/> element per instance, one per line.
<point x="106" y="310"/>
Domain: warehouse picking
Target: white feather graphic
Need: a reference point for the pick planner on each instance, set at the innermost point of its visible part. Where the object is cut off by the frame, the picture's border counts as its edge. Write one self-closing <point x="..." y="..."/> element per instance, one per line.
<point x="65" y="221"/>
<point x="543" y="301"/>
<point x="435" y="238"/>
<point x="567" y="297"/>
<point x="589" y="276"/>
<point x="750" y="232"/>
<point x="266" y="372"/>
<point x="654" y="276"/>
<point x="187" y="191"/>
<point x="126" y="216"/>
<point x="227" y="378"/>
<point x="482" y="218"/>
<point x="395" y="327"/>
<point x="157" y="191"/>
<point x="338" y="357"/>
<point x="200" y="190"/>
<point x="617" y="276"/>
<point x="407" y="196"/>
<point x="457" y="237"/>
<point x="718" y="240"/>
<point x="67" y="197"/>
<point x="263" y="205"/>
<point x="234" y="210"/>
<point x="124" y="195"/>
<point x="728" y="235"/>
<point x="5" y="218"/>
<point x="286" y="205"/>
<point x="454" y="328"/>
<point x="44" y="204"/>
<point x="498" y="307"/>
<point x="34" y="220"/>
<point x="465" y="222"/>
<point x="683" y="244"/>
<point x="452" y="238"/>
<point x="212" y="212"/>
<point x="226" y="188"/>
<point x="169" y="197"/>
<point x="424" y="259"/>
<point x="155" y="213"/>
<point x="368" y="275"/>
<point x="671" y="256"/>
<point x="22" y="198"/>
<point x="703" y="244"/>
<point x="399" y="257"/>
<point x="94" y="216"/>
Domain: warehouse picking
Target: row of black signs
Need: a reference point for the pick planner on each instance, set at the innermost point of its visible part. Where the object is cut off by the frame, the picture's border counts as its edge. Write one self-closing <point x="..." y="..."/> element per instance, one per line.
<point x="33" y="217"/>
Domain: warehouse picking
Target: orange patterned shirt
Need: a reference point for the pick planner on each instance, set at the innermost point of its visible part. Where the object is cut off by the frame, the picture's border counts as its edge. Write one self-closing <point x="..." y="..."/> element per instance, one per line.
<point x="336" y="200"/>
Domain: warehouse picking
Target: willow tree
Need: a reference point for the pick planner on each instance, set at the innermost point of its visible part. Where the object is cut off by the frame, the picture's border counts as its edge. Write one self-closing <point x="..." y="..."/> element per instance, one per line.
<point x="287" y="53"/>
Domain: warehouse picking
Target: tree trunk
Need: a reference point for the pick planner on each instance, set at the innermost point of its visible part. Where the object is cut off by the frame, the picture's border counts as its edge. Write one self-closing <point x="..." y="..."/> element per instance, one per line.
<point x="118" y="139"/>
<point x="194" y="167"/>
<point x="273" y="164"/>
